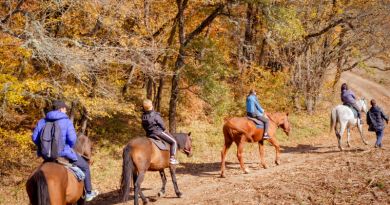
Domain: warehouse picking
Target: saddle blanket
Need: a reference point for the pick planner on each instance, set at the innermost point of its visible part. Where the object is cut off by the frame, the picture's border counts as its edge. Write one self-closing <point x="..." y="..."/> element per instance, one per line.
<point x="162" y="145"/>
<point x="259" y="124"/>
<point x="354" y="111"/>
<point x="76" y="171"/>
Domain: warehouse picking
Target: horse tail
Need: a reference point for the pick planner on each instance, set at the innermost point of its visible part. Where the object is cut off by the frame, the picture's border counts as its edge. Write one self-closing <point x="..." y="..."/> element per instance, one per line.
<point x="127" y="173"/>
<point x="38" y="189"/>
<point x="333" y="120"/>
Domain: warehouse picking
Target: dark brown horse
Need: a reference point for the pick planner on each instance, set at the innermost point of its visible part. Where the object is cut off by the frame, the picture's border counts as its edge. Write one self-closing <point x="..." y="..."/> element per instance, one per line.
<point x="240" y="130"/>
<point x="52" y="183"/>
<point x="141" y="155"/>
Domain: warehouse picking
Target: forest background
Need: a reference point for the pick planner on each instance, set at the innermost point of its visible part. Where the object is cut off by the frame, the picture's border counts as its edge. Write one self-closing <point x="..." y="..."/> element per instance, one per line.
<point x="195" y="59"/>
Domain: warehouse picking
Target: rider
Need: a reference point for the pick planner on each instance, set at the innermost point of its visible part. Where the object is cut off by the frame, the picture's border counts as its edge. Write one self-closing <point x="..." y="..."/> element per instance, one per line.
<point x="69" y="138"/>
<point x="348" y="98"/>
<point x="254" y="110"/>
<point x="154" y="127"/>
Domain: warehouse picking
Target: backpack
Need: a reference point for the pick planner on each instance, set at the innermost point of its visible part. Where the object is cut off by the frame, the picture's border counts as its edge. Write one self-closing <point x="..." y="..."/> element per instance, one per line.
<point x="50" y="140"/>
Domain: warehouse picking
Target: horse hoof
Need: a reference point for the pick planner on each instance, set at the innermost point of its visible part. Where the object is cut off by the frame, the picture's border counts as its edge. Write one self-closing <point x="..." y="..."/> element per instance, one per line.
<point x="277" y="162"/>
<point x="179" y="194"/>
<point x="264" y="166"/>
<point x="223" y="176"/>
<point x="161" y="194"/>
<point x="146" y="201"/>
<point x="246" y="171"/>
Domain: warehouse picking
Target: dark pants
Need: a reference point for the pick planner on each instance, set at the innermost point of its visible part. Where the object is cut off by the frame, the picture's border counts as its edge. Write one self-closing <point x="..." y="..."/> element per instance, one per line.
<point x="354" y="105"/>
<point x="171" y="141"/>
<point x="261" y="118"/>
<point x="84" y="166"/>
<point x="379" y="136"/>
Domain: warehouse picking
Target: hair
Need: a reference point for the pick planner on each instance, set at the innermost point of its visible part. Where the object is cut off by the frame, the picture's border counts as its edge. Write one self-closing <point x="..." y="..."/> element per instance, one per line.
<point x="58" y="104"/>
<point x="252" y="91"/>
<point x="373" y="102"/>
<point x="147" y="104"/>
<point x="344" y="86"/>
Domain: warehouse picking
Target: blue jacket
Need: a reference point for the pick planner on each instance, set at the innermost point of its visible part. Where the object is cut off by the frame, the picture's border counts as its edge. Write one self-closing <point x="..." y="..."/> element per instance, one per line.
<point x="348" y="97"/>
<point x="152" y="123"/>
<point x="253" y="106"/>
<point x="68" y="132"/>
<point x="376" y="118"/>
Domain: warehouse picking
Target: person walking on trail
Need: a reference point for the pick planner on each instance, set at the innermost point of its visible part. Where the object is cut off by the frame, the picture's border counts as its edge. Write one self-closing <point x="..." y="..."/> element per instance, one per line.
<point x="254" y="110"/>
<point x="67" y="141"/>
<point x="375" y="121"/>
<point x="154" y="127"/>
<point x="348" y="98"/>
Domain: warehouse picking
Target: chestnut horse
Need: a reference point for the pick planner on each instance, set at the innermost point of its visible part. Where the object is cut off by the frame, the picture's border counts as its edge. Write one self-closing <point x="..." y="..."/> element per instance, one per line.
<point x="52" y="183"/>
<point x="141" y="155"/>
<point x="241" y="130"/>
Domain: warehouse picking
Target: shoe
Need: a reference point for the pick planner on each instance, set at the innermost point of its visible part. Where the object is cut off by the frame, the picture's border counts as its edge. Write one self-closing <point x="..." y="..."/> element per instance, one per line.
<point x="266" y="136"/>
<point x="92" y="195"/>
<point x="173" y="161"/>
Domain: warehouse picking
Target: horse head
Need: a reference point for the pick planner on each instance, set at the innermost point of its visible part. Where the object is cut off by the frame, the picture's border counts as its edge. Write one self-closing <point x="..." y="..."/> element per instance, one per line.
<point x="362" y="105"/>
<point x="281" y="120"/>
<point x="184" y="142"/>
<point x="84" y="147"/>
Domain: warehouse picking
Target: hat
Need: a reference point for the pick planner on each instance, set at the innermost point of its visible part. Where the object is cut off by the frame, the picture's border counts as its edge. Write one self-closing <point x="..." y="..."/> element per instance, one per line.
<point x="58" y="104"/>
<point x="147" y="104"/>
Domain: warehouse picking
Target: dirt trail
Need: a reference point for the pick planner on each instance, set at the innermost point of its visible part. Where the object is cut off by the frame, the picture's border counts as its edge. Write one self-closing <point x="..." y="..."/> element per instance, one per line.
<point x="314" y="172"/>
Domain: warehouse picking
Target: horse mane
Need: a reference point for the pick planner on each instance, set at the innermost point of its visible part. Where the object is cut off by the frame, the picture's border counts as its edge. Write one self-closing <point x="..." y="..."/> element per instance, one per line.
<point x="181" y="139"/>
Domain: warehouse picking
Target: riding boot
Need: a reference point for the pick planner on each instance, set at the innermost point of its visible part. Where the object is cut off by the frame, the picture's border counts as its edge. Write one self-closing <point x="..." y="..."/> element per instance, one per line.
<point x="266" y="136"/>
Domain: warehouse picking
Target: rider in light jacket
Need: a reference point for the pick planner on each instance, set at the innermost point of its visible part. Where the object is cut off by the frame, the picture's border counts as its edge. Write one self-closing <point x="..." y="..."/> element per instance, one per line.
<point x="254" y="110"/>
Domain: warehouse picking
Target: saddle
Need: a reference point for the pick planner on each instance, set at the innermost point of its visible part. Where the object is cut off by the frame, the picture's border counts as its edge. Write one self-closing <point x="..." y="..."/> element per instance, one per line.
<point x="354" y="111"/>
<point x="259" y="124"/>
<point x="161" y="144"/>
<point x="76" y="171"/>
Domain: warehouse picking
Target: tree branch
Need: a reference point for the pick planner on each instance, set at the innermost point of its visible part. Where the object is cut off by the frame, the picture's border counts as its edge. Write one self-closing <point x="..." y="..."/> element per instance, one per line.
<point x="204" y="23"/>
<point x="16" y="10"/>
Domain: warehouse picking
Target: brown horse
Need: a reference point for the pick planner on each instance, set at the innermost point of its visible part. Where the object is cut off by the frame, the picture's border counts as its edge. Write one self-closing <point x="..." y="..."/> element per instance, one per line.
<point x="241" y="130"/>
<point x="52" y="183"/>
<point x="141" y="155"/>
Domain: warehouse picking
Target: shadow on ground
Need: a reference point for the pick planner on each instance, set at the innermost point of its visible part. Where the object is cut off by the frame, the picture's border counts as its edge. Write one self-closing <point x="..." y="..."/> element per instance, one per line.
<point x="305" y="148"/>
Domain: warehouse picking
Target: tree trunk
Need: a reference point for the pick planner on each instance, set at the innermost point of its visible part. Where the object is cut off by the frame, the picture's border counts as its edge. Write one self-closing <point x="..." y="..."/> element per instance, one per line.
<point x="149" y="88"/>
<point x="84" y="121"/>
<point x="128" y="83"/>
<point x="72" y="111"/>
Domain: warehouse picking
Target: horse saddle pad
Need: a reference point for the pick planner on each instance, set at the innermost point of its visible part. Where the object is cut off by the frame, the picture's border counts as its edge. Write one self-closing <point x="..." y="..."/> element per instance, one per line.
<point x="259" y="124"/>
<point x="76" y="171"/>
<point x="354" y="111"/>
<point x="162" y="145"/>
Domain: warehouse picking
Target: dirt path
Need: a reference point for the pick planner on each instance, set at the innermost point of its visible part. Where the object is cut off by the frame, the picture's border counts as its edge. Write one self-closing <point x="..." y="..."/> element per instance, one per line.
<point x="313" y="172"/>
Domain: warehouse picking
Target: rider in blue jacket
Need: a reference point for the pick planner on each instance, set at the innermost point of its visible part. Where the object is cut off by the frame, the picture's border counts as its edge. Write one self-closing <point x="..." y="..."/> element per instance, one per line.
<point x="69" y="138"/>
<point x="254" y="110"/>
<point x="348" y="98"/>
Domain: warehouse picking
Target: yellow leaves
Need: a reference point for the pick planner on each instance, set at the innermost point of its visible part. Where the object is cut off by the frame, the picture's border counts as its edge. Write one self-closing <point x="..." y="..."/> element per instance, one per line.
<point x="99" y="107"/>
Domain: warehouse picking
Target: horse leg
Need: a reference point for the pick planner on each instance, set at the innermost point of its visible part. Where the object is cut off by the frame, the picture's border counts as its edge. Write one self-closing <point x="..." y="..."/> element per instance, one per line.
<point x="261" y="151"/>
<point x="226" y="146"/>
<point x="172" y="169"/>
<point x="348" y="137"/>
<point x="360" y="126"/>
<point x="164" y="182"/>
<point x="240" y="155"/>
<point x="137" y="189"/>
<point x="340" y="135"/>
<point x="277" y="150"/>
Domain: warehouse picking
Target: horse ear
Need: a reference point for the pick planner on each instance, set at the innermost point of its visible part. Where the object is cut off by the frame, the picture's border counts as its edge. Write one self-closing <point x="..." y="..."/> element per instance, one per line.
<point x="189" y="134"/>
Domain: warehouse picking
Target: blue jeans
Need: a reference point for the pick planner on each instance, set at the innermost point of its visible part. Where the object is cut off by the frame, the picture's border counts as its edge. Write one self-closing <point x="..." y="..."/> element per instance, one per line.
<point x="379" y="136"/>
<point x="83" y="165"/>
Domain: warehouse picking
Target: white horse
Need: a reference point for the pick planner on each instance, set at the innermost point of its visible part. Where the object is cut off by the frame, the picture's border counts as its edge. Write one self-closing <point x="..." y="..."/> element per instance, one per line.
<point x="344" y="116"/>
